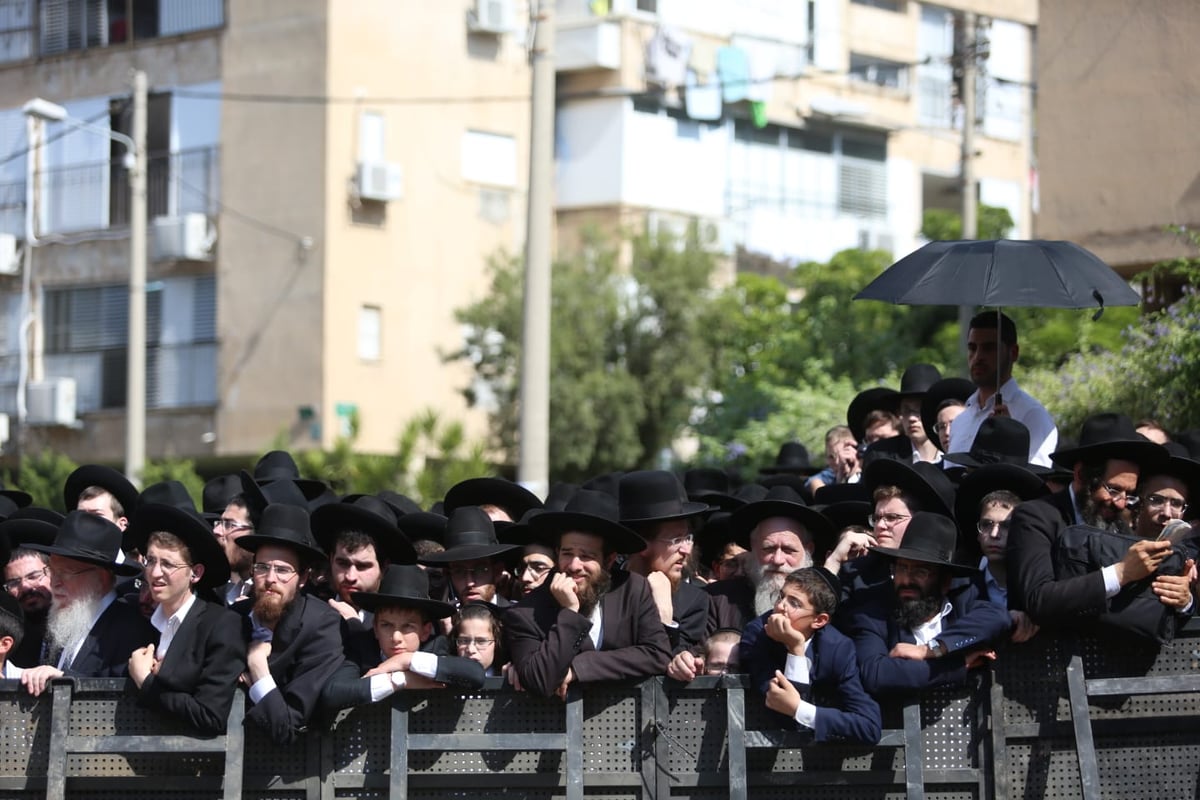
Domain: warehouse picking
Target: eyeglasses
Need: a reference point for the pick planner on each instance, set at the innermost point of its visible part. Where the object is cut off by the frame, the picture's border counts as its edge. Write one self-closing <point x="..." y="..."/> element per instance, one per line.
<point x="793" y="605"/>
<point x="716" y="668"/>
<point x="890" y="520"/>
<point x="62" y="573"/>
<point x="224" y="527"/>
<point x="483" y="572"/>
<point x="1153" y="501"/>
<point x="28" y="577"/>
<point x="168" y="568"/>
<point x="534" y="567"/>
<point x="920" y="573"/>
<point x="478" y="641"/>
<point x="284" y="572"/>
<point x="1117" y="495"/>
<point x="678" y="540"/>
<point x="986" y="525"/>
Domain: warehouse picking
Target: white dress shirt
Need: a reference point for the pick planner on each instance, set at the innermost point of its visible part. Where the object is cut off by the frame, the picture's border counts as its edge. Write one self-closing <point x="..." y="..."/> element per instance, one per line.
<point x="1043" y="434"/>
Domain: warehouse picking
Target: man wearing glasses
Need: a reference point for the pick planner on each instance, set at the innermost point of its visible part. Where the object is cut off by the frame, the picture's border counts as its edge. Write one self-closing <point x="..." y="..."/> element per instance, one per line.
<point x="472" y="558"/>
<point x="654" y="505"/>
<point x="294" y="643"/>
<point x="1107" y="464"/>
<point x="27" y="576"/>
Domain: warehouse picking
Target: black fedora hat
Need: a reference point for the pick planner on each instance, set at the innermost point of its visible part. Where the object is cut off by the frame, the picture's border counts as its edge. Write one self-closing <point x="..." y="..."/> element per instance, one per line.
<point x="794" y="480"/>
<point x="1109" y="435"/>
<point x="168" y="507"/>
<point x="999" y="440"/>
<point x="285" y="525"/>
<point x="832" y="493"/>
<point x="846" y="513"/>
<point x="278" y="465"/>
<point x="107" y="478"/>
<point x="609" y="483"/>
<point x="782" y="501"/>
<point x="401" y="503"/>
<point x="282" y="491"/>
<point x="423" y="525"/>
<point x="700" y="482"/>
<point x="217" y="494"/>
<point x="470" y="535"/>
<point x="31" y="525"/>
<point x="91" y="539"/>
<point x="917" y="380"/>
<point x="10" y="607"/>
<point x="370" y="515"/>
<point x="945" y="389"/>
<point x="989" y="478"/>
<point x="868" y="400"/>
<point x="512" y="497"/>
<point x="592" y="512"/>
<point x="931" y="539"/>
<point x="898" y="448"/>
<point x="926" y="483"/>
<point x="792" y="458"/>
<point x="654" y="495"/>
<point x="405" y="586"/>
<point x="13" y="499"/>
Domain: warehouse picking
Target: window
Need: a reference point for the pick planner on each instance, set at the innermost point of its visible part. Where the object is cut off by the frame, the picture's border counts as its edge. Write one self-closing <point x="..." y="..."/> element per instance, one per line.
<point x="370" y="333"/>
<point x="16" y="30"/>
<point x="886" y="5"/>
<point x="489" y="158"/>
<point x="372" y="135"/>
<point x="86" y="331"/>
<point x="67" y="25"/>
<point x="878" y="71"/>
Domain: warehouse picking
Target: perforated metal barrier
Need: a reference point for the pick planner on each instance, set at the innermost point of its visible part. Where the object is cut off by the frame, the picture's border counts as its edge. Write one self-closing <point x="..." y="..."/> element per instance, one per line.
<point x="1008" y="734"/>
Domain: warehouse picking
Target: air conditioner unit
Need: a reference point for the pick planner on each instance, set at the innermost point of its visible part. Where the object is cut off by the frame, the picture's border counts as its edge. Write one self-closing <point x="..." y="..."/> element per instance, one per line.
<point x="379" y="180"/>
<point x="51" y="402"/>
<point x="184" y="237"/>
<point x="10" y="260"/>
<point x="491" y="16"/>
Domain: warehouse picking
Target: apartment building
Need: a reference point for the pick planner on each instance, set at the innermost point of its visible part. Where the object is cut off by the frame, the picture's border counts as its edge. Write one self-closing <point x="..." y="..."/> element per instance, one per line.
<point x="328" y="179"/>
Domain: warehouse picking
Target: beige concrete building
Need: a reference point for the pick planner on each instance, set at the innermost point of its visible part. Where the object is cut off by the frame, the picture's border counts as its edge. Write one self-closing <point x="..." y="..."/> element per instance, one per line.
<point x="1117" y="152"/>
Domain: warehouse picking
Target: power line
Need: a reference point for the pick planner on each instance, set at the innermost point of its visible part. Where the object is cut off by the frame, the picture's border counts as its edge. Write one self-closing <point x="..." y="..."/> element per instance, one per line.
<point x="298" y="99"/>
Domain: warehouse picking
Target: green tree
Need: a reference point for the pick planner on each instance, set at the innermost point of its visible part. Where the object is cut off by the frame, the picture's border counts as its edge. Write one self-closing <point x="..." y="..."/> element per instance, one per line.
<point x="628" y="358"/>
<point x="943" y="225"/>
<point x="182" y="470"/>
<point x="43" y="475"/>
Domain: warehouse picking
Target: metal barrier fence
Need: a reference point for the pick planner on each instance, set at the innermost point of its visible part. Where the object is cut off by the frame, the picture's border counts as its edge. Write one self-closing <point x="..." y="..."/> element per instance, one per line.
<point x="1007" y="735"/>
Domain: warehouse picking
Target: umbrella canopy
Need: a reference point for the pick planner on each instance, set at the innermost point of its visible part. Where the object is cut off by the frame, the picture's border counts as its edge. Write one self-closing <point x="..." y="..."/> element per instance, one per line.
<point x="1001" y="272"/>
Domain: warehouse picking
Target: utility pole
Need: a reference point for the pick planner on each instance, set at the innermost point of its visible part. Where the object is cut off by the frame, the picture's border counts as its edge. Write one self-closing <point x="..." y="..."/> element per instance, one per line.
<point x="970" y="202"/>
<point x="533" y="471"/>
<point x="135" y="364"/>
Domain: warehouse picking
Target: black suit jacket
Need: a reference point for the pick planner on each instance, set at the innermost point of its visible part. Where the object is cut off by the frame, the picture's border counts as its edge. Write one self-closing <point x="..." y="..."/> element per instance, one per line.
<point x="974" y="622"/>
<point x="690" y="612"/>
<point x="732" y="603"/>
<point x="845" y="712"/>
<point x="545" y="640"/>
<point x="105" y="651"/>
<point x="1033" y="534"/>
<point x="197" y="678"/>
<point x="306" y="651"/>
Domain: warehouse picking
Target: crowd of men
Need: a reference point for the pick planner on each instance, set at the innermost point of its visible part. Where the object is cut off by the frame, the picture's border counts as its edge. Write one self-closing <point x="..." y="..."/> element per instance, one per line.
<point x="948" y="524"/>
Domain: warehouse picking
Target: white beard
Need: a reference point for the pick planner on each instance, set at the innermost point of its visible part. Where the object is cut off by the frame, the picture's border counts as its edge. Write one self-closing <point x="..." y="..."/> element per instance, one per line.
<point x="66" y="626"/>
<point x="768" y="583"/>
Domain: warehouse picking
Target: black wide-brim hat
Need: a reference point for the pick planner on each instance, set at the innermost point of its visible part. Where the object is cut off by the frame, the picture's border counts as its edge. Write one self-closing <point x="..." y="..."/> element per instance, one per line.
<point x="878" y="398"/>
<point x="90" y="539"/>
<point x="591" y="512"/>
<point x="945" y="389"/>
<point x="288" y="526"/>
<point x="654" y="495"/>
<point x="404" y="586"/>
<point x="930" y="539"/>
<point x="1177" y="465"/>
<point x="107" y="478"/>
<point x="782" y="501"/>
<point x="370" y="515"/>
<point x="926" y="483"/>
<point x="990" y="478"/>
<point x="917" y="380"/>
<point x="470" y="535"/>
<point x="31" y="525"/>
<point x="283" y="491"/>
<point x="512" y="497"/>
<point x="832" y="493"/>
<point x="1108" y="435"/>
<point x="999" y="440"/>
<point x="189" y="526"/>
<point x="792" y="458"/>
<point x="13" y="499"/>
<point x="846" y="513"/>
<point x="218" y="492"/>
<point x="278" y="465"/>
<point x="424" y="525"/>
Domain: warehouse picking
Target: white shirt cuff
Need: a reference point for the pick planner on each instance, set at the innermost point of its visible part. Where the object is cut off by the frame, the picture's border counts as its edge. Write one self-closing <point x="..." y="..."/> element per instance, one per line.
<point x="796" y="668"/>
<point x="424" y="664"/>
<point x="1111" y="584"/>
<point x="806" y="714"/>
<point x="382" y="686"/>
<point x="261" y="688"/>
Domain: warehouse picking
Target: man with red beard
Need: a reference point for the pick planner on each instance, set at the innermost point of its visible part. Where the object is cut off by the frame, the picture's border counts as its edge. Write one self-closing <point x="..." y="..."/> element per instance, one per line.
<point x="783" y="535"/>
<point x="586" y="623"/>
<point x="654" y="505"/>
<point x="294" y="643"/>
<point x="932" y="623"/>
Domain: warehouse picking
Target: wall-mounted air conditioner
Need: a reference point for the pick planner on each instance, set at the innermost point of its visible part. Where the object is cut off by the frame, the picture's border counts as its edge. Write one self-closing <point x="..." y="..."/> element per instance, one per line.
<point x="51" y="402"/>
<point x="491" y="16"/>
<point x="379" y="180"/>
<point x="10" y="259"/>
<point x="184" y="237"/>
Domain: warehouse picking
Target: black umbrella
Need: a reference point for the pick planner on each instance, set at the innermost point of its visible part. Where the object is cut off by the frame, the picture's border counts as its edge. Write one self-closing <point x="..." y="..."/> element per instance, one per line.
<point x="1002" y="272"/>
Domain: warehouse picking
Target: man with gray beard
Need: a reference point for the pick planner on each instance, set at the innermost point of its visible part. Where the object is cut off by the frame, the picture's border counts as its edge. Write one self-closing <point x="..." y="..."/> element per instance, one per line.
<point x="1107" y="464"/>
<point x="783" y="535"/>
<point x="91" y="633"/>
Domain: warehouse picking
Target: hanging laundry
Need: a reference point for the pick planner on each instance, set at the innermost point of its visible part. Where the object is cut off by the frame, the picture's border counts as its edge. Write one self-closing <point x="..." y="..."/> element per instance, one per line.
<point x="702" y="101"/>
<point x="733" y="66"/>
<point x="758" y="113"/>
<point x="667" y="55"/>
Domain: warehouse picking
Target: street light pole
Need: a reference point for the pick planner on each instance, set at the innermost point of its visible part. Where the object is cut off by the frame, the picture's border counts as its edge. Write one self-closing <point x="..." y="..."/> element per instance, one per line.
<point x="135" y="384"/>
